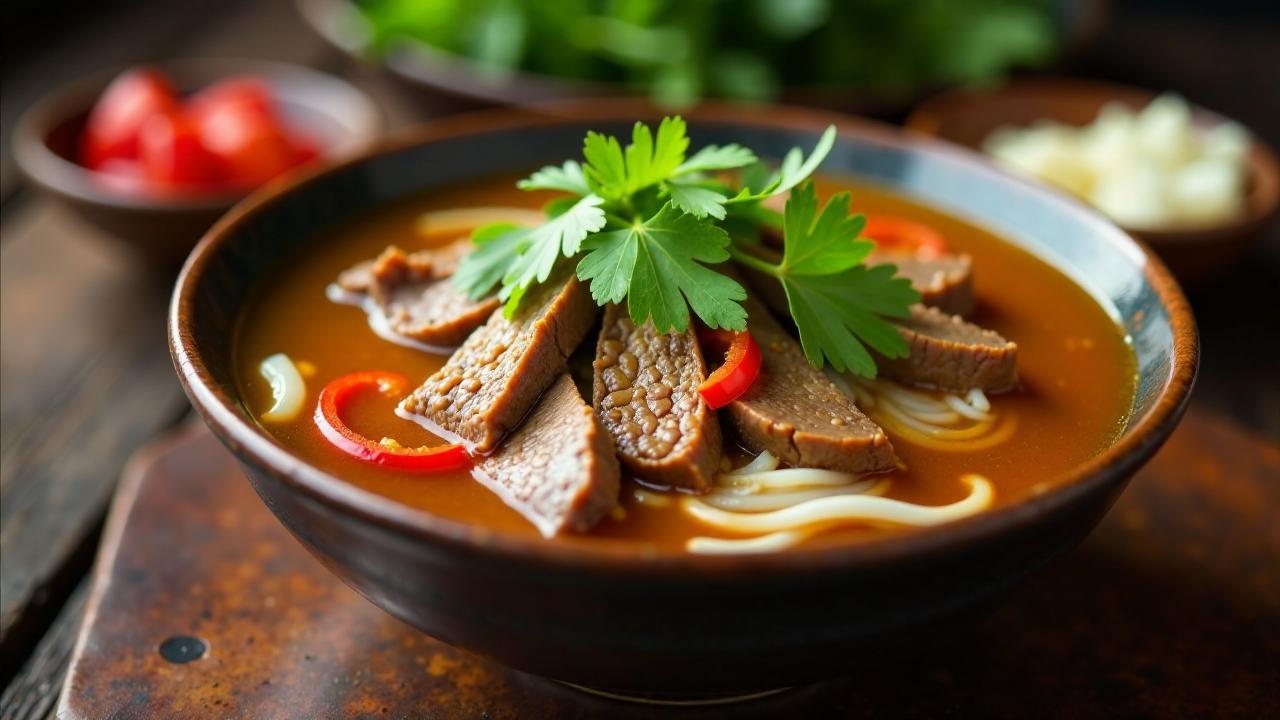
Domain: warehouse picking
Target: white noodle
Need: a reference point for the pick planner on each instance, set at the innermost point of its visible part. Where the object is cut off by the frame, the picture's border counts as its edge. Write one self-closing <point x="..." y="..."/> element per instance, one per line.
<point x="966" y="409"/>
<point x="1001" y="433"/>
<point x="772" y="542"/>
<point x="978" y="400"/>
<point x="845" y="509"/>
<point x="757" y="502"/>
<point x="288" y="389"/>
<point x="763" y="462"/>
<point x="787" y="478"/>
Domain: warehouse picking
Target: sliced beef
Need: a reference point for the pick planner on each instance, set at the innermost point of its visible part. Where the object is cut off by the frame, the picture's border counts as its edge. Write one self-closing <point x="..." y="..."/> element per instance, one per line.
<point x="645" y="392"/>
<point x="495" y="378"/>
<point x="943" y="281"/>
<point x="795" y="412"/>
<point x="950" y="354"/>
<point x="412" y="296"/>
<point x="558" y="469"/>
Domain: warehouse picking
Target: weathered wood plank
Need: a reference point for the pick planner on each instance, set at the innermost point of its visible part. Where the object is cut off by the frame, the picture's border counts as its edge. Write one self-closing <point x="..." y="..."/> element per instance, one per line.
<point x="34" y="691"/>
<point x="83" y="362"/>
<point x="87" y="379"/>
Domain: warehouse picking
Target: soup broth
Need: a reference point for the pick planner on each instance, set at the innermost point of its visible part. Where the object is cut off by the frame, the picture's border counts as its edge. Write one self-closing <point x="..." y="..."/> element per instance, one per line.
<point x="1076" y="377"/>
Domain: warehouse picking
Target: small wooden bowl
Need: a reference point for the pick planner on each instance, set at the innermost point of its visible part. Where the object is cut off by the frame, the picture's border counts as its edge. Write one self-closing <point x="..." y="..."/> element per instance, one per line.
<point x="968" y="116"/>
<point x="162" y="230"/>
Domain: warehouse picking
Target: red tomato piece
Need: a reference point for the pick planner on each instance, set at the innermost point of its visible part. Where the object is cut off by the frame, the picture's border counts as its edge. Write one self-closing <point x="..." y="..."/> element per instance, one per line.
<point x="173" y="156"/>
<point x="246" y="90"/>
<point x="113" y="125"/>
<point x="245" y="135"/>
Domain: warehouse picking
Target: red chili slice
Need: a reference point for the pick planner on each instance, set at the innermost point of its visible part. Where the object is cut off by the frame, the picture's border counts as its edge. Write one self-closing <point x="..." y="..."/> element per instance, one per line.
<point x="334" y="398"/>
<point x="890" y="232"/>
<point x="740" y="369"/>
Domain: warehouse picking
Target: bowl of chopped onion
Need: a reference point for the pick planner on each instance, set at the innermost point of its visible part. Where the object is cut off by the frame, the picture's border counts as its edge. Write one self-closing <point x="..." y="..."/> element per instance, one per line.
<point x="1196" y="186"/>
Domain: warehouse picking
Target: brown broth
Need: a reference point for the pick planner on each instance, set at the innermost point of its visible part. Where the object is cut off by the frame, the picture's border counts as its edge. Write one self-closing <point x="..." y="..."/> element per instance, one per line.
<point x="1076" y="368"/>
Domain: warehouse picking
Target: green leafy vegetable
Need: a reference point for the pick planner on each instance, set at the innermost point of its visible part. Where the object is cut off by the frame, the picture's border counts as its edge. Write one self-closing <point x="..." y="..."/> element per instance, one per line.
<point x="542" y="246"/>
<point x="657" y="264"/>
<point x="567" y="178"/>
<point x="496" y="248"/>
<point x="680" y="51"/>
<point x="645" y="225"/>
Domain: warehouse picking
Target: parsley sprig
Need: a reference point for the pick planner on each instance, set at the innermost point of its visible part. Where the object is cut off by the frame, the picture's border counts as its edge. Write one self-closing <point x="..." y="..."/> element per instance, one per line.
<point x="647" y="224"/>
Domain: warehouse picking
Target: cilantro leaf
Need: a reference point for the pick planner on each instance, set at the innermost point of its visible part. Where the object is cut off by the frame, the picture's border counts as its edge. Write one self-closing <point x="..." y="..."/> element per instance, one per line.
<point x="696" y="200"/>
<point x="484" y="267"/>
<point x="614" y="173"/>
<point x="826" y="245"/>
<point x="540" y="247"/>
<point x="716" y="157"/>
<point x="794" y="170"/>
<point x="837" y="313"/>
<point x="567" y="177"/>
<point x="659" y="263"/>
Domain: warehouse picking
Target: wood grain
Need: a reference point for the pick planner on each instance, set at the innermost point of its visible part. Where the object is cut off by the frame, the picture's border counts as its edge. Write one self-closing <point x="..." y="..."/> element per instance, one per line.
<point x="84" y="363"/>
<point x="33" y="693"/>
<point x="1168" y="610"/>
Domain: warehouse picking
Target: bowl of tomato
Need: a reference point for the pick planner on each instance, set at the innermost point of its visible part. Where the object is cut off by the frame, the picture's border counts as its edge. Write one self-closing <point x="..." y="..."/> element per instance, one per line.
<point x="154" y="154"/>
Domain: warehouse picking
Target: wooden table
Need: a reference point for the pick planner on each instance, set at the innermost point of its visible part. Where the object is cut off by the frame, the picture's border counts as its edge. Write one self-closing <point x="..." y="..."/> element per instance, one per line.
<point x="85" y="373"/>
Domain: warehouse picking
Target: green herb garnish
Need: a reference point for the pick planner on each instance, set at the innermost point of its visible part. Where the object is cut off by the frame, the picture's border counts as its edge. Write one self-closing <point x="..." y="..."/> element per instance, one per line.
<point x="647" y="225"/>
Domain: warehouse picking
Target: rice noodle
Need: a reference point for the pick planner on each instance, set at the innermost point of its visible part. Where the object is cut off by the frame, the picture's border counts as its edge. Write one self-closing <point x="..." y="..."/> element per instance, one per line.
<point x="965" y="408"/>
<point x="942" y="421"/>
<point x="787" y="478"/>
<point x="288" y="389"/>
<point x="843" y="509"/>
<point x="758" y="502"/>
<point x="1002" y="432"/>
<point x="770" y="542"/>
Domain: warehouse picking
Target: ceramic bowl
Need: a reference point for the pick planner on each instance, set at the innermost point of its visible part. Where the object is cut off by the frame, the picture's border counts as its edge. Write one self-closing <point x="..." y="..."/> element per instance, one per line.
<point x="163" y="230"/>
<point x="968" y="116"/>
<point x="603" y="616"/>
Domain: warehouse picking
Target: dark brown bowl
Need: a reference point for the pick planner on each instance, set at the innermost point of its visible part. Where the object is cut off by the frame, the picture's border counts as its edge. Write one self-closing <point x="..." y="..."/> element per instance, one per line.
<point x="968" y="116"/>
<point x="603" y="615"/>
<point x="163" y="230"/>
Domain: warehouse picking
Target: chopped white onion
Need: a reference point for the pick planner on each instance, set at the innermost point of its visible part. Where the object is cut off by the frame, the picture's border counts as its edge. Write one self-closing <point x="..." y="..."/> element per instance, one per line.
<point x="288" y="389"/>
<point x="763" y="462"/>
<point x="1146" y="169"/>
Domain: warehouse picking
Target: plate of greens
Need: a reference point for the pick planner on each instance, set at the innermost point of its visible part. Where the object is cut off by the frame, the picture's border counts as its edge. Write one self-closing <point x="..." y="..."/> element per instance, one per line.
<point x="863" y="56"/>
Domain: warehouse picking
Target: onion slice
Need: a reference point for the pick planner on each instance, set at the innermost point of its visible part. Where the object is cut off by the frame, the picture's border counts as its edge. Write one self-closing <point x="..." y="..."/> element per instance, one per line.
<point x="288" y="389"/>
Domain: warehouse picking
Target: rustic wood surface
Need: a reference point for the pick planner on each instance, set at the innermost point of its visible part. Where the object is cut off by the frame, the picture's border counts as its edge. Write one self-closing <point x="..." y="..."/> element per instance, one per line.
<point x="83" y="366"/>
<point x="1169" y="609"/>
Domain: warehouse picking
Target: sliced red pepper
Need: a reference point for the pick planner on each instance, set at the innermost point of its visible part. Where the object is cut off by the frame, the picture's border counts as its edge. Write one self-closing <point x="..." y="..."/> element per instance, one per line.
<point x="890" y="232"/>
<point x="740" y="369"/>
<point x="334" y="398"/>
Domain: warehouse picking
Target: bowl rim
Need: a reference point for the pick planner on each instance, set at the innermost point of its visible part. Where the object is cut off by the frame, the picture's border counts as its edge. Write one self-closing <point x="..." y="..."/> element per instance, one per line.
<point x="61" y="176"/>
<point x="929" y="114"/>
<point x="220" y="409"/>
